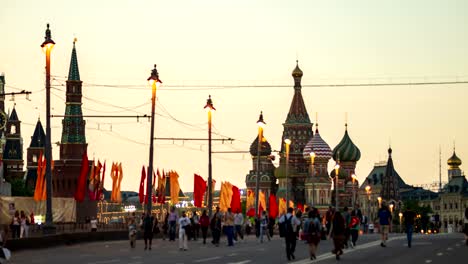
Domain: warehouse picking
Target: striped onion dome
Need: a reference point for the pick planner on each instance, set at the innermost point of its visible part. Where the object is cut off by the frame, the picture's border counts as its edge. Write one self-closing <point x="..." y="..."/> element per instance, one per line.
<point x="346" y="149"/>
<point x="317" y="145"/>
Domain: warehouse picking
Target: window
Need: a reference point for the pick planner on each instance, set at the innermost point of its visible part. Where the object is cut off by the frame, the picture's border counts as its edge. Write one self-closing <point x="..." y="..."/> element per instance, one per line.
<point x="34" y="158"/>
<point x="445" y="206"/>
<point x="456" y="205"/>
<point x="450" y="206"/>
<point x="13" y="129"/>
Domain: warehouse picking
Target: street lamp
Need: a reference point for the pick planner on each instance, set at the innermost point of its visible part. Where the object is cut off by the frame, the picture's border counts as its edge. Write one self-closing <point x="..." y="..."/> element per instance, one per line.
<point x="401" y="216"/>
<point x="154" y="82"/>
<point x="337" y="170"/>
<point x="380" y="201"/>
<point x="312" y="160"/>
<point x="209" y="107"/>
<point x="391" y="208"/>
<point x="368" y="191"/>
<point x="261" y="124"/>
<point x="287" y="143"/>
<point x="354" y="177"/>
<point x="47" y="47"/>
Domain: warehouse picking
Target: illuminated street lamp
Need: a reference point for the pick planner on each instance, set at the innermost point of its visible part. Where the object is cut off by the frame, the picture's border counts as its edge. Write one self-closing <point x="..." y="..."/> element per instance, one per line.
<point x="354" y="177"/>
<point x="312" y="160"/>
<point x="391" y="208"/>
<point x="154" y="82"/>
<point x="209" y="108"/>
<point x="401" y="216"/>
<point x="261" y="124"/>
<point x="368" y="191"/>
<point x="337" y="170"/>
<point x="287" y="143"/>
<point x="47" y="47"/>
<point x="380" y="201"/>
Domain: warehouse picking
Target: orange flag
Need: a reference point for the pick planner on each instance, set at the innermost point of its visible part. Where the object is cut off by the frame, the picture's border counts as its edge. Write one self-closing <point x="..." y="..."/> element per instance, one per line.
<point x="282" y="206"/>
<point x="40" y="180"/>
<point x="225" y="196"/>
<point x="250" y="200"/>
<point x="261" y="201"/>
<point x="175" y="188"/>
<point x="118" y="194"/>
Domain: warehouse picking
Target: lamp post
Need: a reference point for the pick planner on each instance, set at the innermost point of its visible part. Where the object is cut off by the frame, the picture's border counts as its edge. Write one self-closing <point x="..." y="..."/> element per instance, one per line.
<point x="337" y="170"/>
<point x="287" y="143"/>
<point x="401" y="216"/>
<point x="261" y="124"/>
<point x="368" y="191"/>
<point x="380" y="201"/>
<point x="154" y="82"/>
<point x="312" y="160"/>
<point x="354" y="177"/>
<point x="47" y="46"/>
<point x="209" y="107"/>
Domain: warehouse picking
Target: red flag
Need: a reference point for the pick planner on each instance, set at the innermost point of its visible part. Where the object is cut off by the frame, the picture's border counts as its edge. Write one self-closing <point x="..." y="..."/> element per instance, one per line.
<point x="162" y="191"/>
<point x="199" y="188"/>
<point x="81" y="185"/>
<point x="300" y="207"/>
<point x="141" y="192"/>
<point x="273" y="212"/>
<point x="235" y="200"/>
<point x="251" y="212"/>
<point x="153" y="193"/>
<point x="101" y="184"/>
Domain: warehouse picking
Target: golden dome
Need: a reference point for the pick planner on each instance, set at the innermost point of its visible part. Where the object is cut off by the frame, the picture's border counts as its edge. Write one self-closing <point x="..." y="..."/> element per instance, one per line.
<point x="297" y="71"/>
<point x="454" y="161"/>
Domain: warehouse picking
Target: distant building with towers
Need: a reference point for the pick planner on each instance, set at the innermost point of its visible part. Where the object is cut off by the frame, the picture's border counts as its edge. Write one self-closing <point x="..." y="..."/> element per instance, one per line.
<point x="305" y="179"/>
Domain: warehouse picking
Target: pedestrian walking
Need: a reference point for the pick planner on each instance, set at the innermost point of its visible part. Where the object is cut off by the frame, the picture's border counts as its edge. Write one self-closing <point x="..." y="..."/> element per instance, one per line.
<point x="148" y="225"/>
<point x="204" y="224"/>
<point x="184" y="222"/>
<point x="288" y="223"/>
<point x="93" y="223"/>
<point x="328" y="218"/>
<point x="238" y="223"/>
<point x="385" y="218"/>
<point x="165" y="226"/>
<point x="15" y="225"/>
<point x="465" y="228"/>
<point x="409" y="217"/>
<point x="24" y="229"/>
<point x="132" y="230"/>
<point x="173" y="217"/>
<point x="215" y="225"/>
<point x="195" y="225"/>
<point x="5" y="254"/>
<point x="229" y="227"/>
<point x="312" y="232"/>
<point x="347" y="218"/>
<point x="354" y="227"/>
<point x="337" y="232"/>
<point x="264" y="226"/>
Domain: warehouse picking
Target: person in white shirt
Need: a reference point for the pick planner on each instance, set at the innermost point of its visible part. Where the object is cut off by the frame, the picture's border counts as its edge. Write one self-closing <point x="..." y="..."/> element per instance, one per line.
<point x="290" y="237"/>
<point x="238" y="222"/>
<point x="93" y="224"/>
<point x="184" y="222"/>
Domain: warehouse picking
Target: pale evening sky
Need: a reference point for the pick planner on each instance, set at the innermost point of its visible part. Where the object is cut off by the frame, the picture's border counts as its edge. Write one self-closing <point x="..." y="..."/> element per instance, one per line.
<point x="247" y="43"/>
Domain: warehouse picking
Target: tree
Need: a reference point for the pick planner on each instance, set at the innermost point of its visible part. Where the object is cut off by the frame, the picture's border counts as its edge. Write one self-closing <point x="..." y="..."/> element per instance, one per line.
<point x="18" y="188"/>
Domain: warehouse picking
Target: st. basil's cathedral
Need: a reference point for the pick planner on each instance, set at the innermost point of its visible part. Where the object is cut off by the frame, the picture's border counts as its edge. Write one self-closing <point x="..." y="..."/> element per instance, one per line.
<point x="305" y="176"/>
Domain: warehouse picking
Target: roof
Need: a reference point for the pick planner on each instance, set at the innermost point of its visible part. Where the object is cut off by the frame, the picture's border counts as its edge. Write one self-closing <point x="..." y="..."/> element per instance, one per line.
<point x="39" y="138"/>
<point x="346" y="150"/>
<point x="74" y="73"/>
<point x="317" y="145"/>
<point x="297" y="111"/>
<point x="376" y="175"/>
<point x="13" y="115"/>
<point x="457" y="184"/>
<point x="265" y="147"/>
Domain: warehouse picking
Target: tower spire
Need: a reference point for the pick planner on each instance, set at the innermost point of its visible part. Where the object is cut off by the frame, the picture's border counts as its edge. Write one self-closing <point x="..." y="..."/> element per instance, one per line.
<point x="74" y="73"/>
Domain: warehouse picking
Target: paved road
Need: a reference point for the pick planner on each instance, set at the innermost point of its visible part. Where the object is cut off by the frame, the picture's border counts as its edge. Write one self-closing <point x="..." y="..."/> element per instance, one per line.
<point x="248" y="251"/>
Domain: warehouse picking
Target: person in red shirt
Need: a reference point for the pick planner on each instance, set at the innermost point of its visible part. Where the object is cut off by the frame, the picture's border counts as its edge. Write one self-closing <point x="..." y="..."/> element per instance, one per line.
<point x="204" y="224"/>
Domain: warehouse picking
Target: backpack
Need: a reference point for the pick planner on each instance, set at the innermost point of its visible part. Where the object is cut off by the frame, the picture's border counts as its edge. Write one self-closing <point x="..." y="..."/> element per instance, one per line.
<point x="312" y="229"/>
<point x="354" y="222"/>
<point x="286" y="227"/>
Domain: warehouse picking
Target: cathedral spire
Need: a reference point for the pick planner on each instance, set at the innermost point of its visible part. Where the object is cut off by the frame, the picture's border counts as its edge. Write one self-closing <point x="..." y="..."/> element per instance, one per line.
<point x="74" y="73"/>
<point x="297" y="111"/>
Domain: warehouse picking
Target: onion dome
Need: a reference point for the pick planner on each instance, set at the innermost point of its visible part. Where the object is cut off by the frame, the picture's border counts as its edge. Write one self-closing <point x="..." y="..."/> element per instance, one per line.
<point x="297" y="72"/>
<point x="346" y="149"/>
<point x="265" y="147"/>
<point x="317" y="145"/>
<point x="454" y="161"/>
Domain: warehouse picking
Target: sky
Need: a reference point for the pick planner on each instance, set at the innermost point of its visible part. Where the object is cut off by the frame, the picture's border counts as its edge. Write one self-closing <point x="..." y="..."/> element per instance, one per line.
<point x="214" y="44"/>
